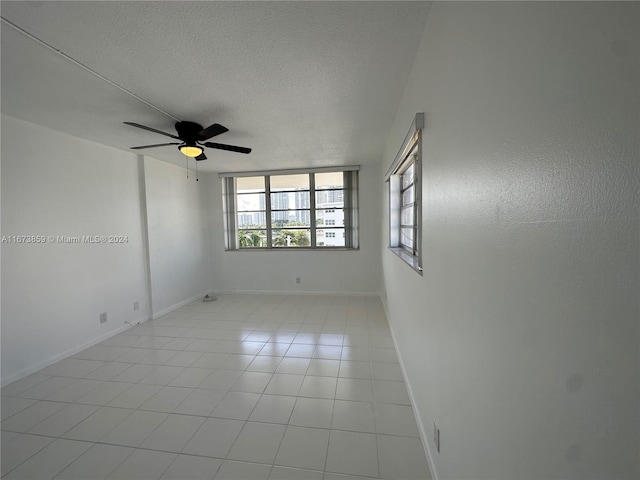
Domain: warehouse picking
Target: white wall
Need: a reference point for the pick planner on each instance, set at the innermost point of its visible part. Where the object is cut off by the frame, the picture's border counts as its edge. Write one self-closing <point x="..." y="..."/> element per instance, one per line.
<point x="178" y="235"/>
<point x="342" y="272"/>
<point x="521" y="339"/>
<point x="52" y="293"/>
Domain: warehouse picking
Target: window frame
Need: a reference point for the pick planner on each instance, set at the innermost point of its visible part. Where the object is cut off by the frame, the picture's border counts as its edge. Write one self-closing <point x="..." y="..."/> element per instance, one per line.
<point x="349" y="207"/>
<point x="410" y="154"/>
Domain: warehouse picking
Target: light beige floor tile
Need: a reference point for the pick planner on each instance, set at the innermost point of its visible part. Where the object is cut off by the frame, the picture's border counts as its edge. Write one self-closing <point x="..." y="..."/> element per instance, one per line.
<point x="32" y="415"/>
<point x="237" y="362"/>
<point x="173" y="434"/>
<point x="318" y="387"/>
<point x="221" y="379"/>
<point x="387" y="371"/>
<point x="96" y="426"/>
<point x="104" y="393"/>
<point x="312" y="412"/>
<point x="162" y="375"/>
<point x="352" y="453"/>
<point x="323" y="368"/>
<point x="353" y="416"/>
<point x="12" y="405"/>
<point x="402" y="457"/>
<point x="284" y="384"/>
<point x="264" y="364"/>
<point x="303" y="447"/>
<point x="167" y="399"/>
<point x="21" y="448"/>
<point x="355" y="353"/>
<point x="75" y="390"/>
<point x="49" y="461"/>
<point x="387" y="355"/>
<point x="191" y="377"/>
<point x="143" y="465"/>
<point x="135" y="396"/>
<point x="71" y="367"/>
<point x="135" y="429"/>
<point x="355" y="369"/>
<point x="294" y="365"/>
<point x="189" y="467"/>
<point x="63" y="420"/>
<point x="395" y="420"/>
<point x="252" y="382"/>
<point x="214" y="438"/>
<point x="19" y="386"/>
<point x="257" y="442"/>
<point x="273" y="409"/>
<point x="236" y="405"/>
<point x="96" y="463"/>
<point x="209" y="360"/>
<point x="134" y="373"/>
<point x="354" y="389"/>
<point x="288" y="473"/>
<point x="390" y="392"/>
<point x="233" y="470"/>
<point x="46" y="388"/>
<point x="107" y="371"/>
<point x="200" y="402"/>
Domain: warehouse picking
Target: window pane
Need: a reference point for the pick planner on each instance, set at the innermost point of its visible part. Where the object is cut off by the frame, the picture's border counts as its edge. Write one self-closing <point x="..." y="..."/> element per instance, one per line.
<point x="330" y="198"/>
<point x="252" y="220"/>
<point x="249" y="184"/>
<point x="407" y="216"/>
<point x="407" y="176"/>
<point x="329" y="180"/>
<point x="408" y="196"/>
<point x="291" y="237"/>
<point x="250" y="201"/>
<point x="406" y="237"/>
<point x="289" y="182"/>
<point x="290" y="200"/>
<point x="291" y="218"/>
<point x="252" y="238"/>
<point x="331" y="216"/>
<point x="330" y="237"/>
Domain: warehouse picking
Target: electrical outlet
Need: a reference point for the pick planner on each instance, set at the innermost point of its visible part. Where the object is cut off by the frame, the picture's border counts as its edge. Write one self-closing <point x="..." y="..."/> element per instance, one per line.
<point x="103" y="317"/>
<point x="136" y="305"/>
<point x="436" y="436"/>
<point x="298" y="280"/>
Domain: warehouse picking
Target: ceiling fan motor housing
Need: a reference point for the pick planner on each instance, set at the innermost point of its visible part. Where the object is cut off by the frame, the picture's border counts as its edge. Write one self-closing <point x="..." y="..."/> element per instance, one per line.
<point x="188" y="132"/>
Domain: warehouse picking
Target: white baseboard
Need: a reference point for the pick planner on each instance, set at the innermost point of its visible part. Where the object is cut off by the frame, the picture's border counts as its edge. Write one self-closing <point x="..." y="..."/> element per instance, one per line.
<point x="176" y="306"/>
<point x="421" y="428"/>
<point x="56" y="358"/>
<point x="296" y="292"/>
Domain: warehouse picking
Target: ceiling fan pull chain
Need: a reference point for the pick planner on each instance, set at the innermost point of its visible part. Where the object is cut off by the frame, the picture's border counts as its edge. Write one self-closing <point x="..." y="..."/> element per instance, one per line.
<point x="186" y="161"/>
<point x="197" y="171"/>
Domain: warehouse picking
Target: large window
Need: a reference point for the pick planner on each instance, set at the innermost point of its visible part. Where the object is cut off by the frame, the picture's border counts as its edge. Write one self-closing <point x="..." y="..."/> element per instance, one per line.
<point x="405" y="192"/>
<point x="301" y="209"/>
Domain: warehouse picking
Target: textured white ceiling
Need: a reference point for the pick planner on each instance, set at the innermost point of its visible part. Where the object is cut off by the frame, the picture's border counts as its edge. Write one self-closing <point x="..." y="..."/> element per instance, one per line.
<point x="302" y="83"/>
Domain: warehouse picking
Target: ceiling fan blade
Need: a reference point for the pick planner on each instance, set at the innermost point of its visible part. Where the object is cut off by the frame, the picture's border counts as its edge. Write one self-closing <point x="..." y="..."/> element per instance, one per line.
<point x="202" y="156"/>
<point x="230" y="148"/>
<point x="156" y="145"/>
<point x="151" y="129"/>
<point x="212" y="131"/>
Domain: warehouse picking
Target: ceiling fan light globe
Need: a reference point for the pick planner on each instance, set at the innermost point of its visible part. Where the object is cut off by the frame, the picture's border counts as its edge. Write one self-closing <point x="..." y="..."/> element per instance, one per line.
<point x="191" y="150"/>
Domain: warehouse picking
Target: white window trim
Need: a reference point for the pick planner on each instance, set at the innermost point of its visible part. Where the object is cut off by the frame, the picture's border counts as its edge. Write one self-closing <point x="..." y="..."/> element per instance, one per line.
<point x="350" y="209"/>
<point x="410" y="152"/>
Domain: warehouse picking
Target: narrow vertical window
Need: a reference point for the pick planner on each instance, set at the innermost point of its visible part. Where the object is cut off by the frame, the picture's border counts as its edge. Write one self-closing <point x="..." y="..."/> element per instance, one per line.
<point x="405" y="194"/>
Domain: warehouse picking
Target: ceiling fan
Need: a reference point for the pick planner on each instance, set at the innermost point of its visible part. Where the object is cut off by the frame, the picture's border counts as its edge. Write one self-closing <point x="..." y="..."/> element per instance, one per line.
<point x="192" y="139"/>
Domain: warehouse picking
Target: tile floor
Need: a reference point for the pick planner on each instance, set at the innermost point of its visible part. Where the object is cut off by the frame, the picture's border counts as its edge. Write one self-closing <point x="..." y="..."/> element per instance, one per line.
<point x="246" y="387"/>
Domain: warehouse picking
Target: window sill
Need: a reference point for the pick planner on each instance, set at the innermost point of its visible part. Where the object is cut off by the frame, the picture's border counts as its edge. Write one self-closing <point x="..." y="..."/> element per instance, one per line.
<point x="407" y="258"/>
